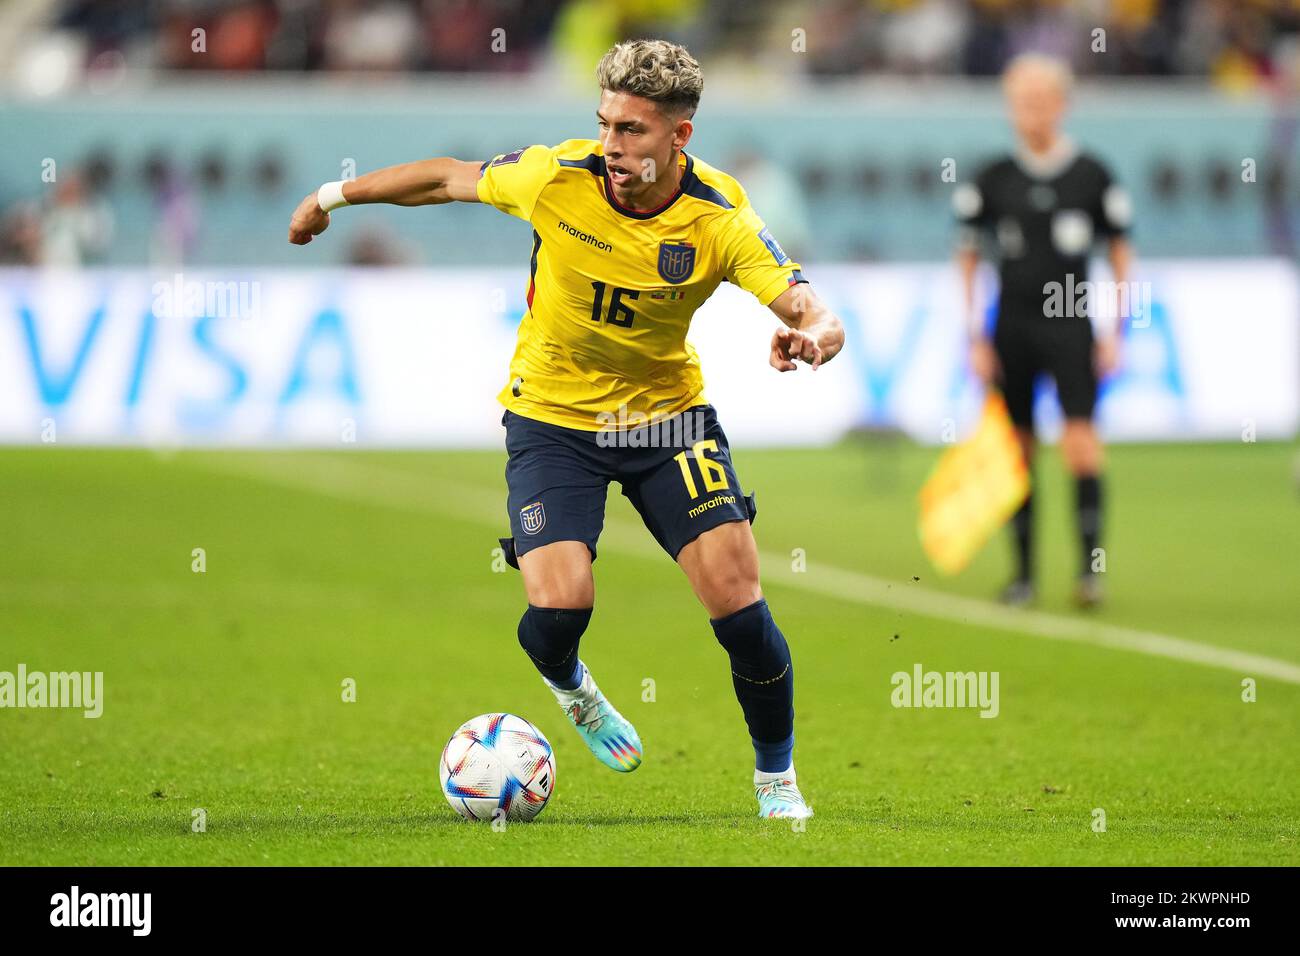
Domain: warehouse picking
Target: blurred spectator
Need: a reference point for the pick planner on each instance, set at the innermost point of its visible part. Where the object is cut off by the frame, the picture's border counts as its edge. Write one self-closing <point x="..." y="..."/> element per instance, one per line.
<point x="76" y="227"/>
<point x="371" y="36"/>
<point x="20" y="234"/>
<point x="1232" y="42"/>
<point x="176" y="215"/>
<point x="70" y="227"/>
<point x="926" y="37"/>
<point x="240" y="36"/>
<point x="464" y="35"/>
<point x="374" y="245"/>
<point x="843" y="38"/>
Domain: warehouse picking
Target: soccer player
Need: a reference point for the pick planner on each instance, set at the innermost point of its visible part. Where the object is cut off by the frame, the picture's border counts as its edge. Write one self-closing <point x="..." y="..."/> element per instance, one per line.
<point x="1044" y="207"/>
<point x="631" y="234"/>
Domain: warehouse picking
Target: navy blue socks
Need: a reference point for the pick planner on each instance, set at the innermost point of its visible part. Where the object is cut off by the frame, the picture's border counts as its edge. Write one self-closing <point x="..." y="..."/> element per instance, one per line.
<point x="549" y="636"/>
<point x="763" y="676"/>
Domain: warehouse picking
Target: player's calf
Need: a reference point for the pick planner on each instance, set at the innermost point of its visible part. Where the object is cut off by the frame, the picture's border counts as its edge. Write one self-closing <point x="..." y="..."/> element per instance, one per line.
<point x="762" y="674"/>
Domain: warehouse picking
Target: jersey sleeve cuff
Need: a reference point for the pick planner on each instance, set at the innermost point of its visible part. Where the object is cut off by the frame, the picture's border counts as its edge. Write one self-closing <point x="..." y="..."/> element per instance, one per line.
<point x="772" y="291"/>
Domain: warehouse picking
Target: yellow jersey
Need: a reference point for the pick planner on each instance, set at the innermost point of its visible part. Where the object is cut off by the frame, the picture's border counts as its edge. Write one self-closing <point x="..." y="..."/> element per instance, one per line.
<point x="611" y="290"/>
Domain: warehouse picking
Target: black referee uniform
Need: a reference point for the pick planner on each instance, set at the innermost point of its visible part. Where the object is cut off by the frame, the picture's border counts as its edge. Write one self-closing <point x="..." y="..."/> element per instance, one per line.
<point x="1039" y="219"/>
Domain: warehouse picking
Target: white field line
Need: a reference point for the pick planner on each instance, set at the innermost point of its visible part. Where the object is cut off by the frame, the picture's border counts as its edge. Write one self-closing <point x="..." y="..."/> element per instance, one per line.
<point x="396" y="488"/>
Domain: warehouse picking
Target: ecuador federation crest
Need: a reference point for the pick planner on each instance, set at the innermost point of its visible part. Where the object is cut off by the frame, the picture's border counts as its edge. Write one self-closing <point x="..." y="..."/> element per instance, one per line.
<point x="676" y="261"/>
<point x="532" y="517"/>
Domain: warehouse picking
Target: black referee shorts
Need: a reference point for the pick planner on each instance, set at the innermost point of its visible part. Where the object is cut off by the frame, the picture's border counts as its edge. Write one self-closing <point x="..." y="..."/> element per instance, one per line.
<point x="1028" y="346"/>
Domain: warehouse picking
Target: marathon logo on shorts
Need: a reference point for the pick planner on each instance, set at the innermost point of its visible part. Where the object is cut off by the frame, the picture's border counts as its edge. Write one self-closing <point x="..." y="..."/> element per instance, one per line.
<point x="714" y="502"/>
<point x="676" y="261"/>
<point x="532" y="517"/>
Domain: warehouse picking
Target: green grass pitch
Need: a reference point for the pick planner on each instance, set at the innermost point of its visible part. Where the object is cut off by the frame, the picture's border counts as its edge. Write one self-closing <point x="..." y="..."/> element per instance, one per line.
<point x="223" y="690"/>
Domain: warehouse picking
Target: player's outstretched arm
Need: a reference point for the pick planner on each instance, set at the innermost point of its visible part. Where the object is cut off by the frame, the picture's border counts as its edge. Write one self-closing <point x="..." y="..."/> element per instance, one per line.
<point x="424" y="183"/>
<point x="814" y="333"/>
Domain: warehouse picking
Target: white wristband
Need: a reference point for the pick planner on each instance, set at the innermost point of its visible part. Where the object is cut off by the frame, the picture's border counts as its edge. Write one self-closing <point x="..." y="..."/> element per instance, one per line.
<point x="330" y="196"/>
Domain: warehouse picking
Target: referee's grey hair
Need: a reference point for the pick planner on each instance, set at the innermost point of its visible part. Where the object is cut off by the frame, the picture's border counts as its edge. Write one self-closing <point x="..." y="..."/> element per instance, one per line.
<point x="1057" y="69"/>
<point x="656" y="69"/>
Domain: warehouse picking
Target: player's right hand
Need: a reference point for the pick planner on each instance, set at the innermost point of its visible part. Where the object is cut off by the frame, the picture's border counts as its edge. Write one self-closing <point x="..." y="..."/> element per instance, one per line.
<point x="984" y="361"/>
<point x="308" y="220"/>
<point x="793" y="345"/>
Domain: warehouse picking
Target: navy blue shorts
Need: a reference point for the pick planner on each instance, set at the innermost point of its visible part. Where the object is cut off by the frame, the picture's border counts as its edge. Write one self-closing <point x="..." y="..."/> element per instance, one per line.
<point x="677" y="473"/>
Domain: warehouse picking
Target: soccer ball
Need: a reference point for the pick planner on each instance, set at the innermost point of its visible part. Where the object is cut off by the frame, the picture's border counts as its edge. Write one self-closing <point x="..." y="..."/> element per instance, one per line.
<point x="497" y="763"/>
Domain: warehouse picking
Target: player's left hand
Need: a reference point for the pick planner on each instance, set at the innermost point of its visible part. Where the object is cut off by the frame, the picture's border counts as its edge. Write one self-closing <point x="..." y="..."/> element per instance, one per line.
<point x="1106" y="356"/>
<point x="790" y="346"/>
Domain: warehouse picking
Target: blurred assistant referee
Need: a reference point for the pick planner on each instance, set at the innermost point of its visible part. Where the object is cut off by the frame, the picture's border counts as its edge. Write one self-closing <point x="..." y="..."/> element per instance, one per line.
<point x="1040" y="211"/>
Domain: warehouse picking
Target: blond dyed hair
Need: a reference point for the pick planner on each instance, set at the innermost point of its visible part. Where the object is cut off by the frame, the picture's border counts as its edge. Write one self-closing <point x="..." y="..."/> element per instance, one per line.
<point x="656" y="69"/>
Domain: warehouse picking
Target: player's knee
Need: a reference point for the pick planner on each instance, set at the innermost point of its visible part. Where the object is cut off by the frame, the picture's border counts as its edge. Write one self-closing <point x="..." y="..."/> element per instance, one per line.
<point x="725" y="590"/>
<point x="757" y="648"/>
<point x="559" y="575"/>
<point x="562" y="593"/>
<point x="550" y="635"/>
<point x="723" y="568"/>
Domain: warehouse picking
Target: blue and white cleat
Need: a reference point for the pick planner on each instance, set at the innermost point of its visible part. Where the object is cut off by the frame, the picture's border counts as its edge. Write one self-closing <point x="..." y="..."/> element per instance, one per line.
<point x="605" y="731"/>
<point x="781" y="799"/>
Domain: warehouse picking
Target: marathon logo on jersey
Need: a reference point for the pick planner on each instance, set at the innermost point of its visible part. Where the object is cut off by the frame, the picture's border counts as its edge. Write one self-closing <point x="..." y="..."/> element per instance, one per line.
<point x="532" y="517"/>
<point x="676" y="261"/>
<point x="594" y="241"/>
<point x="773" y="246"/>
